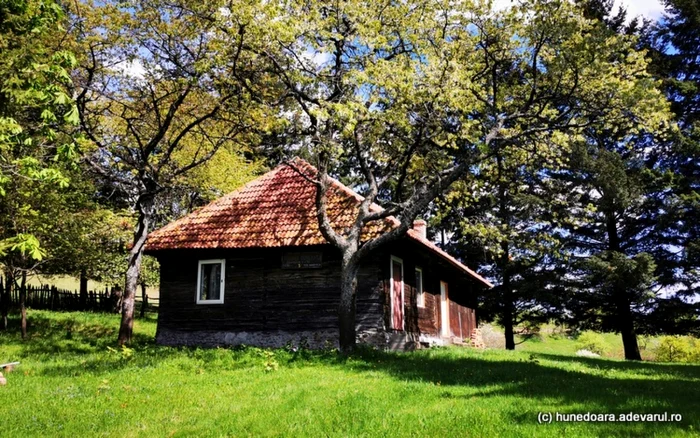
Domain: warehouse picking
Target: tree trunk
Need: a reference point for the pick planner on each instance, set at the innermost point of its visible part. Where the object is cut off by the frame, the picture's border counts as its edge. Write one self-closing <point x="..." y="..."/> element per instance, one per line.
<point x="626" y="328"/>
<point x="508" y="329"/>
<point x="625" y="322"/>
<point x="83" y="289"/>
<point x="504" y="265"/>
<point x="144" y="300"/>
<point x="507" y="297"/>
<point x="126" y="328"/>
<point x="348" y="301"/>
<point x="115" y="299"/>
<point x="2" y="303"/>
<point x="22" y="304"/>
<point x="5" y="298"/>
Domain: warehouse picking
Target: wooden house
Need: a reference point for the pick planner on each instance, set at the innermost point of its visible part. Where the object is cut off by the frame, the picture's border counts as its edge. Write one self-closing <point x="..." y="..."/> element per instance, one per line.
<point x="253" y="268"/>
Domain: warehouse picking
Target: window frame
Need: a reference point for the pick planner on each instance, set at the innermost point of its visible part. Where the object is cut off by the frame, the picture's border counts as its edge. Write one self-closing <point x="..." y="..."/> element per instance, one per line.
<point x="420" y="292"/>
<point x="222" y="263"/>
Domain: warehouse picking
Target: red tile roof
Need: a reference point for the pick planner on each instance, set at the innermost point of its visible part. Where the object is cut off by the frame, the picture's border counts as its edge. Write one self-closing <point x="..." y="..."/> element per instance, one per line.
<point x="276" y="209"/>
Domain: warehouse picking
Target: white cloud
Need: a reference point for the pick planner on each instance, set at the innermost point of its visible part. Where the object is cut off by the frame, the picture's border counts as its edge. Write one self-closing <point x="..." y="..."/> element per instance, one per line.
<point x="502" y="4"/>
<point x="646" y="8"/>
<point x="133" y="69"/>
<point x="317" y="58"/>
<point x="321" y="58"/>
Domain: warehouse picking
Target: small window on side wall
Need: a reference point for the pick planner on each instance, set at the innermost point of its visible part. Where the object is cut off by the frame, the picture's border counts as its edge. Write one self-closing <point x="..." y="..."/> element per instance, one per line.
<point x="210" y="281"/>
<point x="420" y="296"/>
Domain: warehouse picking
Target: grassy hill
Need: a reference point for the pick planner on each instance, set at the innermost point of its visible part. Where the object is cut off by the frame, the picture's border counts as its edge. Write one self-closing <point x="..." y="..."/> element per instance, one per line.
<point x="74" y="381"/>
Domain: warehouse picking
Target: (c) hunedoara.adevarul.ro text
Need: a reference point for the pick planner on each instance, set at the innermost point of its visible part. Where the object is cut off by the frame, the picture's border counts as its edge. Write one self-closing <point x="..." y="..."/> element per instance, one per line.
<point x="558" y="417"/>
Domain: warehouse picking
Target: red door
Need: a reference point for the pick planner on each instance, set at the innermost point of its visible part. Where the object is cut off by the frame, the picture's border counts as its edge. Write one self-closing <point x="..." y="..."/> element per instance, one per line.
<point x="396" y="293"/>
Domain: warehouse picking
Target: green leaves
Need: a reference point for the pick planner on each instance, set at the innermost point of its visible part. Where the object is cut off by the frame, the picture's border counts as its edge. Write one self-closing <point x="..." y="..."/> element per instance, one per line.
<point x="560" y="96"/>
<point x="614" y="270"/>
<point x="48" y="116"/>
<point x="24" y="244"/>
<point x="62" y="98"/>
<point x="72" y="116"/>
<point x="36" y="112"/>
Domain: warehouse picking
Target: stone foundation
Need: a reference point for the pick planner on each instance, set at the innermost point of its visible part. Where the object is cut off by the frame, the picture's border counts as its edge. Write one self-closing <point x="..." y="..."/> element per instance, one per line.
<point x="274" y="339"/>
<point x="432" y="341"/>
<point x="268" y="339"/>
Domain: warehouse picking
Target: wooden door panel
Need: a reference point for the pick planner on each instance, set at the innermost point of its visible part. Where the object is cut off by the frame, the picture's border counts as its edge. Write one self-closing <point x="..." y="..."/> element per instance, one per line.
<point x="397" y="295"/>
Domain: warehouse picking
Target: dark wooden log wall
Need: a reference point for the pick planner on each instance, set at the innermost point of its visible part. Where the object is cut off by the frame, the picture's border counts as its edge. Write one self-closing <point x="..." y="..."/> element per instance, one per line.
<point x="260" y="295"/>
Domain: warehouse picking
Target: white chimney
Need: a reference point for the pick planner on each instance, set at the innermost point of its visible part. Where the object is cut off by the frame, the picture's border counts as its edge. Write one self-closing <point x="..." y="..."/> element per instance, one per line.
<point x="421" y="227"/>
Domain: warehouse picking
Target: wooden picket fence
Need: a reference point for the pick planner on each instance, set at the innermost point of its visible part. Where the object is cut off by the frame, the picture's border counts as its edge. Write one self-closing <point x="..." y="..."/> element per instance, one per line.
<point x="48" y="297"/>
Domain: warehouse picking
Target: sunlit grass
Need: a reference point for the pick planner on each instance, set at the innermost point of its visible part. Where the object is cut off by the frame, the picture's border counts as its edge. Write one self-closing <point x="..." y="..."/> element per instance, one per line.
<point x="68" y="282"/>
<point x="74" y="381"/>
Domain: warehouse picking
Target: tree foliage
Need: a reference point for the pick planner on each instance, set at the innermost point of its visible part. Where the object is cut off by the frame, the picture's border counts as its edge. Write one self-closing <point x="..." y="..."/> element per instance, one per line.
<point x="674" y="45"/>
<point x="35" y="153"/>
<point x="152" y="107"/>
<point x="35" y="108"/>
<point x="516" y="205"/>
<point x="408" y="98"/>
<point x="537" y="135"/>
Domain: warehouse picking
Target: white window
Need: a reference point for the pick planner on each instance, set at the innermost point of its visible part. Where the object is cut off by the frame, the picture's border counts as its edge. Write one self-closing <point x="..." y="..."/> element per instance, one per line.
<point x="420" y="298"/>
<point x="210" y="281"/>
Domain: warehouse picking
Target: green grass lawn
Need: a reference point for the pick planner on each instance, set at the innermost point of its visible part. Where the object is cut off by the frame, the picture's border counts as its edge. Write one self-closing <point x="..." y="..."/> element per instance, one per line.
<point x="74" y="381"/>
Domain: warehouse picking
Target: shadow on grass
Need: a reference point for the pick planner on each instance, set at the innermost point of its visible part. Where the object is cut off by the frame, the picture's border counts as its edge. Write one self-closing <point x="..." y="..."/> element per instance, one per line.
<point x="678" y="371"/>
<point x="565" y="383"/>
<point x="572" y="391"/>
<point x="68" y="344"/>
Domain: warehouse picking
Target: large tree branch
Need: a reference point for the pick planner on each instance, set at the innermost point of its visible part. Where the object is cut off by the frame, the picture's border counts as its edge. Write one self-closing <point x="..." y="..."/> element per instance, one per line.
<point x="216" y="145"/>
<point x="370" y="196"/>
<point x="426" y="193"/>
<point x="167" y="121"/>
<point x="322" y="182"/>
<point x="172" y="145"/>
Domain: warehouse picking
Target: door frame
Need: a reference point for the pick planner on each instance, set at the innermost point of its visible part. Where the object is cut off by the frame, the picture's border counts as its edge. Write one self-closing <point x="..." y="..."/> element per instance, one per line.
<point x="445" y="330"/>
<point x="393" y="259"/>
